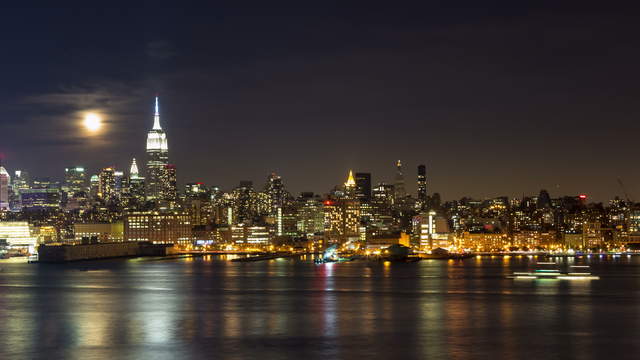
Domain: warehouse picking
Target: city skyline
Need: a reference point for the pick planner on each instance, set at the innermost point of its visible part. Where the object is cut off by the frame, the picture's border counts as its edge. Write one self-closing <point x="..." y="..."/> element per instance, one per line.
<point x="157" y="159"/>
<point x="495" y="100"/>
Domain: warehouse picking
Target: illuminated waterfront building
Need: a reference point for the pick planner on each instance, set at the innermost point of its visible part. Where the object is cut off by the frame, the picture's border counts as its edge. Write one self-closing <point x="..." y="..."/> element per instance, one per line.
<point x="433" y="231"/>
<point x="257" y="235"/>
<point x="157" y="157"/>
<point x="17" y="234"/>
<point x="103" y="232"/>
<point x="74" y="180"/>
<point x="483" y="241"/>
<point x="165" y="228"/>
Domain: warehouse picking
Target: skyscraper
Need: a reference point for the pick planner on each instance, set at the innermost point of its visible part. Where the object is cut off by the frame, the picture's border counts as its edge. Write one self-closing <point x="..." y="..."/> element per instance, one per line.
<point x="136" y="184"/>
<point x="422" y="186"/>
<point x="157" y="157"/>
<point x="21" y="181"/>
<point x="5" y="181"/>
<point x="120" y="183"/>
<point x="74" y="180"/>
<point x="350" y="186"/>
<point x="107" y="184"/>
<point x="363" y="187"/>
<point x="399" y="185"/>
<point x="169" y="183"/>
<point x="275" y="190"/>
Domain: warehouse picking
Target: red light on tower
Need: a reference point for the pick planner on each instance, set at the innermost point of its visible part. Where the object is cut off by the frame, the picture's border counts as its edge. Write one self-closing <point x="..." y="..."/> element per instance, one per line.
<point x="582" y="196"/>
<point x="327" y="203"/>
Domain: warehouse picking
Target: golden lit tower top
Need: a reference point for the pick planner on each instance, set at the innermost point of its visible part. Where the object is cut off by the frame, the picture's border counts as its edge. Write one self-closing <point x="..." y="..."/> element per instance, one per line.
<point x="351" y="182"/>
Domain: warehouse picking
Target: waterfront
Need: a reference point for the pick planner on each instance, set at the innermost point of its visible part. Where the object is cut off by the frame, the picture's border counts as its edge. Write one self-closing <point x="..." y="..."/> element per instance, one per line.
<point x="208" y="307"/>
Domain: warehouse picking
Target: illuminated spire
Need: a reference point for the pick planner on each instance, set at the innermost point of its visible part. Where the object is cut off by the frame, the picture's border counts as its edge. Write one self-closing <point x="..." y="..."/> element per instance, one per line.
<point x="351" y="182"/>
<point x="156" y="117"/>
<point x="133" y="173"/>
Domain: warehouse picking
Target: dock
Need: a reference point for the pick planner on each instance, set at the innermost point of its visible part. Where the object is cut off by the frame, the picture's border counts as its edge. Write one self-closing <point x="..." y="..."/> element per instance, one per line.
<point x="67" y="253"/>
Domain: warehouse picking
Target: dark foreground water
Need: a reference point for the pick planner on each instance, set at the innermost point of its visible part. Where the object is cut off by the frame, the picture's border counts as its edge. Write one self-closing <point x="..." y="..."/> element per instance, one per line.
<point x="210" y="308"/>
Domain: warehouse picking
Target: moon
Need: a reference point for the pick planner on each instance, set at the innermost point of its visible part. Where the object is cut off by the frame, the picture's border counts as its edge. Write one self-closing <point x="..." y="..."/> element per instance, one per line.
<point x="92" y="122"/>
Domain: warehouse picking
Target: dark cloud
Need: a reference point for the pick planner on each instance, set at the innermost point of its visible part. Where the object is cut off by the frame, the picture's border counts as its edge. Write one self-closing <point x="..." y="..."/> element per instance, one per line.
<point x="160" y="49"/>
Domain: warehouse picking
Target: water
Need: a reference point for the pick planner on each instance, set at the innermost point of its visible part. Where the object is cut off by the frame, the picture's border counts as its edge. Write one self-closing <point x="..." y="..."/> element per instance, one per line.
<point x="211" y="308"/>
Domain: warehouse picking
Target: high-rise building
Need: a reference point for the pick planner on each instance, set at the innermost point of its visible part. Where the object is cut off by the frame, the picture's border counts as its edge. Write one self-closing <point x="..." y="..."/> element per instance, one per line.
<point x="21" y="181"/>
<point x="422" y="186"/>
<point x="94" y="186"/>
<point x="5" y="181"/>
<point x="399" y="185"/>
<point x="275" y="190"/>
<point x="157" y="157"/>
<point x="136" y="184"/>
<point x="310" y="215"/>
<point x="163" y="228"/>
<point x="363" y="187"/>
<point x="169" y="183"/>
<point x="107" y="184"/>
<point x="350" y="186"/>
<point x="74" y="180"/>
<point x="120" y="183"/>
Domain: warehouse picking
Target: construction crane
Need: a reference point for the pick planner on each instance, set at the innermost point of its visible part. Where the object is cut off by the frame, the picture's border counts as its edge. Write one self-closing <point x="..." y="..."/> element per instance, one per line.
<point x="624" y="191"/>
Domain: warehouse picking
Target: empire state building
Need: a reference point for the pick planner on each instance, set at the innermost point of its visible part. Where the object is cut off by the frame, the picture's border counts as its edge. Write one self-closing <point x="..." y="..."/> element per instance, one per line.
<point x="157" y="157"/>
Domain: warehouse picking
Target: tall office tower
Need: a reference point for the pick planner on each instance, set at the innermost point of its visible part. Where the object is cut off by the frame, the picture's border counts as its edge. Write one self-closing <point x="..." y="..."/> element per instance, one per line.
<point x="107" y="184"/>
<point x="5" y="181"/>
<point x="363" y="187"/>
<point x="157" y="157"/>
<point x="381" y="202"/>
<point x="120" y="183"/>
<point x="169" y="183"/>
<point x="136" y="183"/>
<point x="399" y="185"/>
<point x="242" y="199"/>
<point x="21" y="181"/>
<point x="422" y="186"/>
<point x="74" y="180"/>
<point x="276" y="193"/>
<point x="94" y="186"/>
<point x="350" y="186"/>
<point x="310" y="215"/>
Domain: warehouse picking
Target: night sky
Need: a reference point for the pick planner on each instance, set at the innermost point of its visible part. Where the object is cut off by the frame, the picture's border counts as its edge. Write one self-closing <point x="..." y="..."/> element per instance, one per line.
<point x="497" y="98"/>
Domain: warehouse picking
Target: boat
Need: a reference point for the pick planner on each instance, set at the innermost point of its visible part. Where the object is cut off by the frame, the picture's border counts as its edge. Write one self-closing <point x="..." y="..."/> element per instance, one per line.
<point x="331" y="255"/>
<point x="550" y="270"/>
<point x="444" y="254"/>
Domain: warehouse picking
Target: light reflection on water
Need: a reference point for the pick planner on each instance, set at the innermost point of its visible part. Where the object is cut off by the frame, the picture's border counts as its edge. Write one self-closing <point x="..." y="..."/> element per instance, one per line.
<point x="195" y="307"/>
